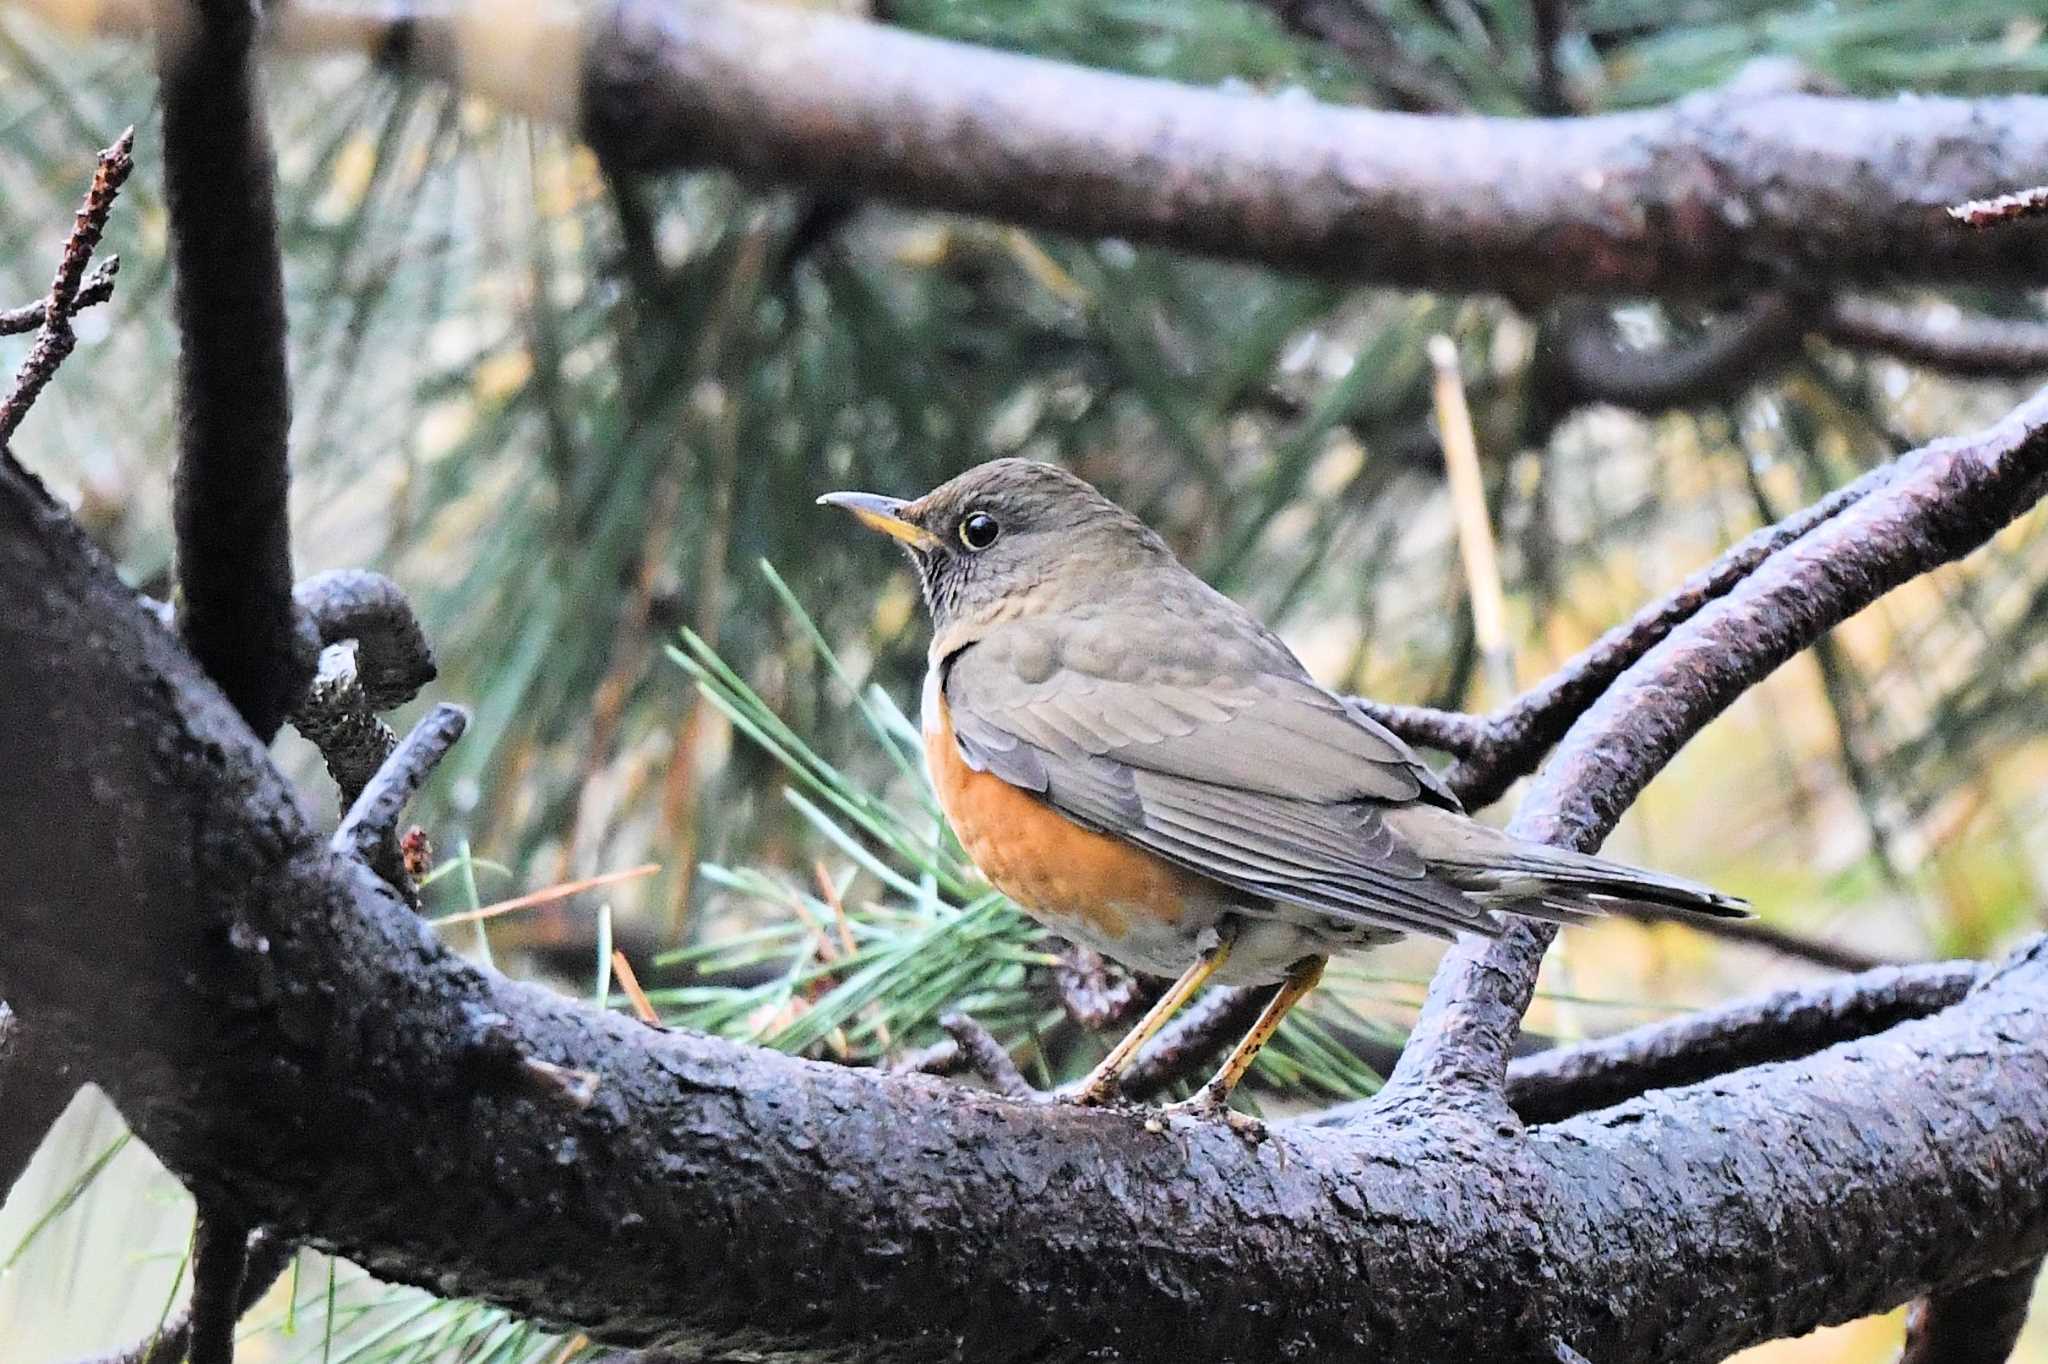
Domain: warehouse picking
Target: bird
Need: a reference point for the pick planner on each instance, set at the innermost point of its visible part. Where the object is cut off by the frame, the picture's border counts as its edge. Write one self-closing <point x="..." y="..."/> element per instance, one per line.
<point x="1145" y="768"/>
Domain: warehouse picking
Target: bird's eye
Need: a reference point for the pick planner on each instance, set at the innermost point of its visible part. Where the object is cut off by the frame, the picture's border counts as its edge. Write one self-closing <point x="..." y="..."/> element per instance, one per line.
<point x="979" y="530"/>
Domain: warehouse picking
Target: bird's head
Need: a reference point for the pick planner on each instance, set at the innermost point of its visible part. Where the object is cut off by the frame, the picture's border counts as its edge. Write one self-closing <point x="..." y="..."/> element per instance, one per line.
<point x="1010" y="539"/>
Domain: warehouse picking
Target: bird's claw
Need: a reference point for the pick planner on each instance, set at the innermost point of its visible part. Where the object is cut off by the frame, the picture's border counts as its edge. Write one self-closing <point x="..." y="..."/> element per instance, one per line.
<point x="1209" y="1104"/>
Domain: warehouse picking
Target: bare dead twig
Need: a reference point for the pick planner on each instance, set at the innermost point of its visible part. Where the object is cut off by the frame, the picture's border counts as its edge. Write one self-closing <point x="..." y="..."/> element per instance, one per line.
<point x="983" y="1055"/>
<point x="96" y="289"/>
<point x="56" y="339"/>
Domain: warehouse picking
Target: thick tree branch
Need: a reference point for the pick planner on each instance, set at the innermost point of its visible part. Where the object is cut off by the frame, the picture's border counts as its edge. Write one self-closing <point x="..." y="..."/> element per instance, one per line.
<point x="220" y="1265"/>
<point x="234" y="403"/>
<point x="299" y="1049"/>
<point x="36" y="1086"/>
<point x="1976" y="1324"/>
<point x="268" y="1259"/>
<point x="1937" y="504"/>
<point x="1711" y="195"/>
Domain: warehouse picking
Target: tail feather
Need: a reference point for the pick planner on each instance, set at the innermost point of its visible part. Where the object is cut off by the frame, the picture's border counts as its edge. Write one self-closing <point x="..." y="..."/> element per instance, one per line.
<point x="1544" y="882"/>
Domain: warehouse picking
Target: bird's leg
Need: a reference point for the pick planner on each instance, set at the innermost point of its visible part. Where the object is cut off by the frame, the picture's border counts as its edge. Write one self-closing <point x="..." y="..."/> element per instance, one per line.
<point x="1100" y="1086"/>
<point x="1213" y="1098"/>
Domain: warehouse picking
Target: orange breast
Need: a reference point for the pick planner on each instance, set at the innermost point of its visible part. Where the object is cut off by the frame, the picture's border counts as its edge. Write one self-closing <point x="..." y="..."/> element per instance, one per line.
<point x="1068" y="877"/>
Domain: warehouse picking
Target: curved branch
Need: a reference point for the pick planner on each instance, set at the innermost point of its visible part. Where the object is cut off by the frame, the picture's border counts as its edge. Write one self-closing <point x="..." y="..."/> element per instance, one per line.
<point x="1591" y="365"/>
<point x="1519" y="736"/>
<point x="1553" y="1085"/>
<point x="1699" y="198"/>
<point x="234" y="402"/>
<point x="297" y="1045"/>
<point x="1954" y="342"/>
<point x="1937" y="504"/>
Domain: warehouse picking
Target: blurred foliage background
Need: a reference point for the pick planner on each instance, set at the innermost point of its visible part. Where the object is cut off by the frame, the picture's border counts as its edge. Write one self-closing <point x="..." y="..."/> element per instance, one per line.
<point x="575" y="414"/>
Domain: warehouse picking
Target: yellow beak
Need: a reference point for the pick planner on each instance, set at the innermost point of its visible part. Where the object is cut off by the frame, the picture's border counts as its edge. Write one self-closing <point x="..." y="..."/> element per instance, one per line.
<point x="884" y="514"/>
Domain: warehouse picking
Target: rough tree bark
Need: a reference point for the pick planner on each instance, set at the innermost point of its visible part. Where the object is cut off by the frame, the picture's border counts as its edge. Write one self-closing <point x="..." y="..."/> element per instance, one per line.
<point x="299" y="1049"/>
<point x="301" y="1052"/>
<point x="1716" y="195"/>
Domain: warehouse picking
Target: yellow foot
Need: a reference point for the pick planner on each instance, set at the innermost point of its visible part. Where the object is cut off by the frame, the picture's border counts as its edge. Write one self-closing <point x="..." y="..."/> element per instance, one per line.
<point x="1097" y="1093"/>
<point x="1210" y="1104"/>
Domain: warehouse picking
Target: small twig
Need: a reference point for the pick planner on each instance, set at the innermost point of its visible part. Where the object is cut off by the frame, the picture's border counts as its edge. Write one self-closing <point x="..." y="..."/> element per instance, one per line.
<point x="396" y="661"/>
<point x="336" y="717"/>
<point x="371" y="825"/>
<point x="577" y="1088"/>
<point x="2006" y="208"/>
<point x="56" y="339"/>
<point x="1757" y="933"/>
<point x="1453" y="731"/>
<point x="97" y="289"/>
<point x="985" y="1056"/>
<point x="940" y="1058"/>
<point x="1518" y="736"/>
<point x="374" y="658"/>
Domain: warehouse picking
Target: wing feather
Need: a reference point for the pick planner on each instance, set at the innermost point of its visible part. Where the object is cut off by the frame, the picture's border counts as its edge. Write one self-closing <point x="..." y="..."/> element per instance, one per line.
<point x="1269" y="785"/>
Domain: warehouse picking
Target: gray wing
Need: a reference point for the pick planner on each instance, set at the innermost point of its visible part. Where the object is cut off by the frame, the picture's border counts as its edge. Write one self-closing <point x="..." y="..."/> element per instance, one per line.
<point x="1260" y="780"/>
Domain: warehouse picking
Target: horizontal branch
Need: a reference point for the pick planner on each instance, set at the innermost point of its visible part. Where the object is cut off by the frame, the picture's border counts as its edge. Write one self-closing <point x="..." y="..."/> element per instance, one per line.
<point x="299" y="1049"/>
<point x="1552" y="1085"/>
<point x="1954" y="342"/>
<point x="1716" y="193"/>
